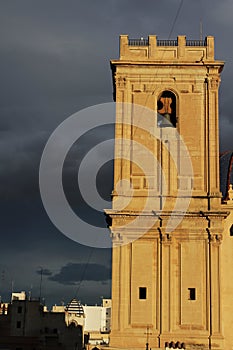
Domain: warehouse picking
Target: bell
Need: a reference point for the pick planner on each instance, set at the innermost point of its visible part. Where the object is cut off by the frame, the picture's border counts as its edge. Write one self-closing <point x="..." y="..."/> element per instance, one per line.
<point x="164" y="121"/>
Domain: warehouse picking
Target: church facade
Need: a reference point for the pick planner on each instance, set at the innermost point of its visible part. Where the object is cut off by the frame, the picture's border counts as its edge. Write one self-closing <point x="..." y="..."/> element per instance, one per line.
<point x="172" y="281"/>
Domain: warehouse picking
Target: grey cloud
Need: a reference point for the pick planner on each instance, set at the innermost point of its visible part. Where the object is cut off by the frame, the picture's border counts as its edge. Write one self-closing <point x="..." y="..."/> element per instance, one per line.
<point x="75" y="273"/>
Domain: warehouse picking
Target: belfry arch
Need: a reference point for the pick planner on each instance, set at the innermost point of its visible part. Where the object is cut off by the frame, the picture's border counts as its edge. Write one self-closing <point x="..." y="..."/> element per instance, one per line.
<point x="167" y="109"/>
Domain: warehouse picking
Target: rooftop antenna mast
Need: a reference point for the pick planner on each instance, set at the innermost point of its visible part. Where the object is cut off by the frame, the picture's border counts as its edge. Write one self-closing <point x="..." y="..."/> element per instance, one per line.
<point x="30" y="293"/>
<point x="12" y="286"/>
<point x="41" y="276"/>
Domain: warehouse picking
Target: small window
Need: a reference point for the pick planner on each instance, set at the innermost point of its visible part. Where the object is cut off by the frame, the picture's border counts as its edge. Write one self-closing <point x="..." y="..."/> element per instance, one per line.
<point x="142" y="292"/>
<point x="18" y="324"/>
<point x="231" y="230"/>
<point x="192" y="293"/>
<point x="20" y="309"/>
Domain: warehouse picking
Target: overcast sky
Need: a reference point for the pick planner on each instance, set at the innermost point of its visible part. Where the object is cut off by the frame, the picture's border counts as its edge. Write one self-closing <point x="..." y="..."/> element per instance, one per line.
<point x="54" y="61"/>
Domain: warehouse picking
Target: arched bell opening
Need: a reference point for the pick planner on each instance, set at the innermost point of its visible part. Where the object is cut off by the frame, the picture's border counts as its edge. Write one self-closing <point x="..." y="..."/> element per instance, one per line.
<point x="166" y="108"/>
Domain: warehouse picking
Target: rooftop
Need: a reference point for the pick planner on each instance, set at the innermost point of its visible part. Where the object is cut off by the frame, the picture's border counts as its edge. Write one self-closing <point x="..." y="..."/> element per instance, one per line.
<point x="154" y="49"/>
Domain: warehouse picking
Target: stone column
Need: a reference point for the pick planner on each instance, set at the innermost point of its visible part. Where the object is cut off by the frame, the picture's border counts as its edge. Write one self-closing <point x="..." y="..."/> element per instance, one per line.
<point x="165" y="285"/>
<point x="216" y="337"/>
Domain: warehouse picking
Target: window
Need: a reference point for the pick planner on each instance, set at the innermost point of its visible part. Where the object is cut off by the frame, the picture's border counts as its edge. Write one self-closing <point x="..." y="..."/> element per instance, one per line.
<point x="18" y="324"/>
<point x="20" y="309"/>
<point x="166" y="108"/>
<point x="192" y="293"/>
<point x="142" y="292"/>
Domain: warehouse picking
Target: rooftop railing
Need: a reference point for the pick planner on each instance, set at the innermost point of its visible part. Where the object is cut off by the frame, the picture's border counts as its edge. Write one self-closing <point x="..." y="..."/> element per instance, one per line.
<point x="145" y="42"/>
<point x="196" y="43"/>
<point x="138" y="42"/>
<point x="167" y="43"/>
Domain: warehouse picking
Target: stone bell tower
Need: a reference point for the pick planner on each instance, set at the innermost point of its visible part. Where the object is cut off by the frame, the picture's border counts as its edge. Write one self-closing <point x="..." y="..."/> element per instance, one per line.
<point x="166" y="220"/>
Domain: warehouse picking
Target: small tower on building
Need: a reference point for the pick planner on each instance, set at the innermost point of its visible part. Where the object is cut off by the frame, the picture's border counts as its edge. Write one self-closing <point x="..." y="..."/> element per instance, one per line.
<point x="75" y="313"/>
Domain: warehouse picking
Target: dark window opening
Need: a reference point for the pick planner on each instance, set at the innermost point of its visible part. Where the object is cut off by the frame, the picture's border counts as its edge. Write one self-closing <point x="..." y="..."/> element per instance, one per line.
<point x="231" y="230"/>
<point x="18" y="324"/>
<point x="20" y="309"/>
<point x="142" y="292"/>
<point x="166" y="108"/>
<point x="192" y="293"/>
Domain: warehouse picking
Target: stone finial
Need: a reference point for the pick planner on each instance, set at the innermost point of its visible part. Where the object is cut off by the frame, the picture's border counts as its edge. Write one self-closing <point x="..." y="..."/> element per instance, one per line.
<point x="230" y="193"/>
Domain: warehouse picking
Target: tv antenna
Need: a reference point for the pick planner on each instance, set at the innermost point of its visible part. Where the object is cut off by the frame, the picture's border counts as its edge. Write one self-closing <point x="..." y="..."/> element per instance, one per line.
<point x="41" y="276"/>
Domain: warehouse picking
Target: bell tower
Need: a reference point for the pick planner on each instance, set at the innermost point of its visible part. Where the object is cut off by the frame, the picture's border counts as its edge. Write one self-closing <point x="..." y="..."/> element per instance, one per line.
<point x="166" y="220"/>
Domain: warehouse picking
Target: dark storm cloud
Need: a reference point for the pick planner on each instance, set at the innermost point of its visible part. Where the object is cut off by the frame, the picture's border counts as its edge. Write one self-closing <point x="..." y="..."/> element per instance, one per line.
<point x="54" y="61"/>
<point x="53" y="51"/>
<point x="73" y="274"/>
<point x="49" y="253"/>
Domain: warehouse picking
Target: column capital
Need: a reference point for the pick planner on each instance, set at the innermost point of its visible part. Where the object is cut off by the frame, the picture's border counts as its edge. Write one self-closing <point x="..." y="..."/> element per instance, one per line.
<point x="165" y="238"/>
<point x="215" y="238"/>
